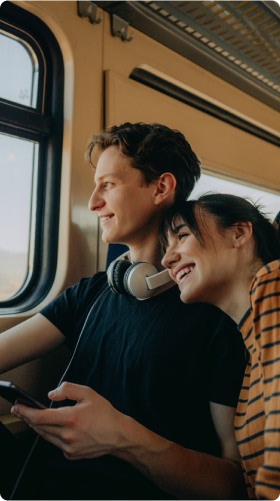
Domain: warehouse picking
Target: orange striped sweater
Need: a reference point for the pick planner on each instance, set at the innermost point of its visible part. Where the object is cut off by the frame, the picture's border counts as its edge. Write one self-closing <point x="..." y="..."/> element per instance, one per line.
<point x="257" y="422"/>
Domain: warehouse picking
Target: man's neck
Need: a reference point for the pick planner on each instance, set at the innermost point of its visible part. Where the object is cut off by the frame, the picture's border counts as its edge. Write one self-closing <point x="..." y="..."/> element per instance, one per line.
<point x="151" y="255"/>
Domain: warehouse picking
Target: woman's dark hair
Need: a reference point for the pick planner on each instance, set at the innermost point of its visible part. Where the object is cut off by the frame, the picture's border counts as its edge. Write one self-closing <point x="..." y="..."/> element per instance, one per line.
<point x="228" y="210"/>
<point x="153" y="149"/>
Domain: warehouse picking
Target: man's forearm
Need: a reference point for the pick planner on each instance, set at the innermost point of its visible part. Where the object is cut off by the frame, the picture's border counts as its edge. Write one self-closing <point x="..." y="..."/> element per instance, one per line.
<point x="184" y="473"/>
<point x="93" y="428"/>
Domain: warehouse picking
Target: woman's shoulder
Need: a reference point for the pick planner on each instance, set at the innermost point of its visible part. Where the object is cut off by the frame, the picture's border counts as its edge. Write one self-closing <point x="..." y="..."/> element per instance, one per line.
<point x="272" y="268"/>
<point x="266" y="281"/>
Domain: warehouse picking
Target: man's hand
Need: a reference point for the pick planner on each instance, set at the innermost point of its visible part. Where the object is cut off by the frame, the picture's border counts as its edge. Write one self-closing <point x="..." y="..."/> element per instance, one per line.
<point x="93" y="427"/>
<point x="87" y="429"/>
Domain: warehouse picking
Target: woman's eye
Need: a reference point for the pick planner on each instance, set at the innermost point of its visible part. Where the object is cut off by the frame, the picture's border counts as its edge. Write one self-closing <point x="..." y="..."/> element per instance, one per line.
<point x="182" y="235"/>
<point x="107" y="184"/>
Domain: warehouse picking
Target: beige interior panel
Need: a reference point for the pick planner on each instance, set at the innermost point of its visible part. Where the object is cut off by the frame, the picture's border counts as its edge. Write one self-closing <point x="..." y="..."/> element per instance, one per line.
<point x="222" y="148"/>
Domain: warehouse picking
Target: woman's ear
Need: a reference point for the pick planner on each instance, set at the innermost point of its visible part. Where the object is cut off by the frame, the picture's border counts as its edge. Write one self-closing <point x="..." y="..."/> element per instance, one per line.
<point x="242" y="233"/>
<point x="165" y="188"/>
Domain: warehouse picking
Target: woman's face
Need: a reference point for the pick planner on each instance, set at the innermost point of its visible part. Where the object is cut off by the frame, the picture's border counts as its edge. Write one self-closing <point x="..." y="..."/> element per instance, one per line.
<point x="204" y="271"/>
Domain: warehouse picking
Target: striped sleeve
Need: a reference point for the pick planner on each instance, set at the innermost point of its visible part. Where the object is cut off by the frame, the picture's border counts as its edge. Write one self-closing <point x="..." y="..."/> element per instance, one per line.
<point x="265" y="302"/>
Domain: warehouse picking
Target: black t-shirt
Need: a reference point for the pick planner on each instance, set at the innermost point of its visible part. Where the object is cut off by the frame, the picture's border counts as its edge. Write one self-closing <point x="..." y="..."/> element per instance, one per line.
<point x="159" y="361"/>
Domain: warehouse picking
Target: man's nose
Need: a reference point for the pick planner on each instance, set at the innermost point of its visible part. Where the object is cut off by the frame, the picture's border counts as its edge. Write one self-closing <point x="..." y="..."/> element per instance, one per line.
<point x="95" y="202"/>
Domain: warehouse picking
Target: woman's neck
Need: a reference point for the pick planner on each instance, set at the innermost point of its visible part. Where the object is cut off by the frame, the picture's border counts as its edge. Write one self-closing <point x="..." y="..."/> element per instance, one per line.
<point x="236" y="303"/>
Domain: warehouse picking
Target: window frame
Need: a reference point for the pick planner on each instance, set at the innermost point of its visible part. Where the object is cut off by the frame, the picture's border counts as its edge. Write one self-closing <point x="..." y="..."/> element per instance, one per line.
<point x="42" y="124"/>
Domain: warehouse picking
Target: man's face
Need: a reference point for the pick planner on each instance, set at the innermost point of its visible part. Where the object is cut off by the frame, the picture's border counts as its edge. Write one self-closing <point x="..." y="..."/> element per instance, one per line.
<point x="123" y="201"/>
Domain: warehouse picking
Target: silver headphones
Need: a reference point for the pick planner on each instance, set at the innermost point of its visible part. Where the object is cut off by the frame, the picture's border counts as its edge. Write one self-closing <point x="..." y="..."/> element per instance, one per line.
<point x="136" y="279"/>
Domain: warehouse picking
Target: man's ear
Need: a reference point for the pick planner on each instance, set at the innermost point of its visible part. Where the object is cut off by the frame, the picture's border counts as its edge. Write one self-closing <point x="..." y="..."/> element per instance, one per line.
<point x="165" y="187"/>
<point x="242" y="233"/>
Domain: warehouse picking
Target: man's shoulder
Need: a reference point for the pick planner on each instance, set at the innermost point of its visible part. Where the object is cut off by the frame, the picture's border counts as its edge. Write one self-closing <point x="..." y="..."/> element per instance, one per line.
<point x="97" y="280"/>
<point x="202" y="308"/>
<point x="203" y="314"/>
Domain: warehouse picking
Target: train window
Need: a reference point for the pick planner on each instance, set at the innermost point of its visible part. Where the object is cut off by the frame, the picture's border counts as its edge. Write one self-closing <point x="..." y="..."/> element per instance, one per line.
<point x="269" y="202"/>
<point x="19" y="82"/>
<point x="18" y="169"/>
<point x="31" y="90"/>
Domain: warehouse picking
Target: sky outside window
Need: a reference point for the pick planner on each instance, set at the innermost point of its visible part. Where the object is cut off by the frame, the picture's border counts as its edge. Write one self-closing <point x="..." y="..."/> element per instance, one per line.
<point x="19" y="72"/>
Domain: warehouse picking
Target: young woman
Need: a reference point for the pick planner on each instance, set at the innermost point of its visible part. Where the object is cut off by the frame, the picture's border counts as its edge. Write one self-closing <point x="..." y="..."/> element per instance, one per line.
<point x="221" y="249"/>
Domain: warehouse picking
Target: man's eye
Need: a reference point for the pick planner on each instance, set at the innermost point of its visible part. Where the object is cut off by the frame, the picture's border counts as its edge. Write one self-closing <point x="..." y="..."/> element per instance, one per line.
<point x="107" y="184"/>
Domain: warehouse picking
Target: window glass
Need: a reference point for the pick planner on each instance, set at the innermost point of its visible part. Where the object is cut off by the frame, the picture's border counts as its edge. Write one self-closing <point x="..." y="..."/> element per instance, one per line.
<point x="19" y="71"/>
<point x="31" y="131"/>
<point x="18" y="161"/>
<point x="270" y="203"/>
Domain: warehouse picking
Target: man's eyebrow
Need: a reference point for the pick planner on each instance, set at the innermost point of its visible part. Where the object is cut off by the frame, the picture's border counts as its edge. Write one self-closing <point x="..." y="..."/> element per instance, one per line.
<point x="109" y="174"/>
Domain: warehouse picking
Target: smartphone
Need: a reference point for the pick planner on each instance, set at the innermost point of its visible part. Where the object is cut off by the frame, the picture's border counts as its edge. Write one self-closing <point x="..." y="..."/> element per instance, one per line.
<point x="14" y="394"/>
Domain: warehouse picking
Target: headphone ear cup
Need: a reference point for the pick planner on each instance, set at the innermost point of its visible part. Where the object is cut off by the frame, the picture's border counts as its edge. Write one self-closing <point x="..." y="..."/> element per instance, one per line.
<point x="115" y="275"/>
<point x="126" y="278"/>
<point x="134" y="280"/>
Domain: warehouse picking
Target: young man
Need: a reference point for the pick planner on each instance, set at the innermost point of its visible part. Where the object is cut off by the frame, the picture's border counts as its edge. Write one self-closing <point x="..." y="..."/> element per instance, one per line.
<point x="148" y="400"/>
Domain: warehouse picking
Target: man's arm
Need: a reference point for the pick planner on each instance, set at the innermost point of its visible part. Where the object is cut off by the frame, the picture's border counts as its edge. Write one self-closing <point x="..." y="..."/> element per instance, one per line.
<point x="93" y="427"/>
<point x="27" y="341"/>
<point x="189" y="474"/>
<point x="182" y="472"/>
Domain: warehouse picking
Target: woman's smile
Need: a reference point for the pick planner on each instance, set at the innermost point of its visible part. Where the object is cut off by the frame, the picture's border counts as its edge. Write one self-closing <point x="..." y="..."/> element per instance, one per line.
<point x="182" y="272"/>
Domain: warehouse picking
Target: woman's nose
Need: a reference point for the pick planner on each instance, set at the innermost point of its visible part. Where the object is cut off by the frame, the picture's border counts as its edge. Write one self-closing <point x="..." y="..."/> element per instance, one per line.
<point x="170" y="257"/>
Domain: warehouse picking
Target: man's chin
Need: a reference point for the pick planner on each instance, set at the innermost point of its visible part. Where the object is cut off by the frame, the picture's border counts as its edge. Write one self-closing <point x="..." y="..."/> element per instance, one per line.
<point x="106" y="238"/>
<point x="109" y="240"/>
